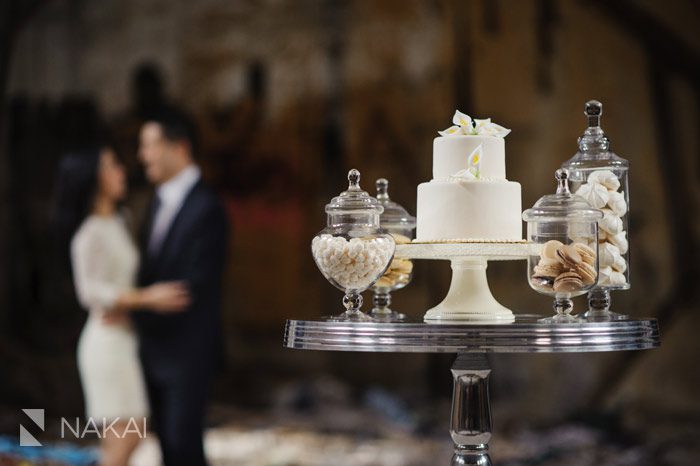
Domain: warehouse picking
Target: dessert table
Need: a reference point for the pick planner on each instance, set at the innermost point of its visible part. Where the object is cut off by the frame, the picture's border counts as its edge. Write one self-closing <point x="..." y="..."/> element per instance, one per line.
<point x="470" y="422"/>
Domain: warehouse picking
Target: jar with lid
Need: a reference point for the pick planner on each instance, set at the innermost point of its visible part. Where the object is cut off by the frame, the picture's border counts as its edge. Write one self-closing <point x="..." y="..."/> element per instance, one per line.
<point x="601" y="177"/>
<point x="353" y="252"/>
<point x="563" y="263"/>
<point x="396" y="221"/>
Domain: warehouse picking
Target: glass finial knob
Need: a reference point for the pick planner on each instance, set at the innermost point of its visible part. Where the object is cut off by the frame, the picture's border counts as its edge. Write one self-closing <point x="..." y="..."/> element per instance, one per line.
<point x="593" y="110"/>
<point x="562" y="176"/>
<point x="382" y="188"/>
<point x="354" y="179"/>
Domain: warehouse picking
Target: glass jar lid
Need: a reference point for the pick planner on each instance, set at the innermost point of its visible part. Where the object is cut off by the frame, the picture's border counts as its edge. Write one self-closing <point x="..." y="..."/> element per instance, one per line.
<point x="394" y="216"/>
<point x="594" y="145"/>
<point x="354" y="199"/>
<point x="562" y="206"/>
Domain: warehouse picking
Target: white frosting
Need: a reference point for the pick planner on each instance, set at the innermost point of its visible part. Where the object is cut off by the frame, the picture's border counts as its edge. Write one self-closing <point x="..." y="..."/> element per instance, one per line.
<point x="469" y="209"/>
<point x="451" y="155"/>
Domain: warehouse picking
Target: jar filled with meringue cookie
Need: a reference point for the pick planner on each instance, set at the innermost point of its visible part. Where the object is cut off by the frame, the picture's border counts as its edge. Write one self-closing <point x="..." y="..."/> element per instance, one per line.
<point x="601" y="177"/>
<point x="353" y="252"/>
<point x="563" y="262"/>
<point x="401" y="225"/>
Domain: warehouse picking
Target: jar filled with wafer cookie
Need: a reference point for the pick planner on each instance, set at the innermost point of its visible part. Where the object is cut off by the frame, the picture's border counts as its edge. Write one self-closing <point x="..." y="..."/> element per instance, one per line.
<point x="563" y="263"/>
<point x="401" y="225"/>
<point x="601" y="177"/>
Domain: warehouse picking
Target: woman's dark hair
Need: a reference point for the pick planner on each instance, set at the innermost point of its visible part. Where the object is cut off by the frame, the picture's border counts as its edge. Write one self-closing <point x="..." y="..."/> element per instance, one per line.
<point x="76" y="188"/>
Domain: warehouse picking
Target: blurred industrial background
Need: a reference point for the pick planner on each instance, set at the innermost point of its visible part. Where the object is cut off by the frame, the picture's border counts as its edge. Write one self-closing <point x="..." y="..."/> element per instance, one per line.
<point x="288" y="95"/>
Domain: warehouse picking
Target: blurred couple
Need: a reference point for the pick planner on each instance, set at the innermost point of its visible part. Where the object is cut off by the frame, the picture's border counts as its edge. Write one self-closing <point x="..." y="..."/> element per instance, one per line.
<point x="152" y="341"/>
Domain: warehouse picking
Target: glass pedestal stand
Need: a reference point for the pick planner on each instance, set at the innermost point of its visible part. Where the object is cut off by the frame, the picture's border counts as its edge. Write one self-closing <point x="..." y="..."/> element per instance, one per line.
<point x="469" y="298"/>
<point x="599" y="305"/>
<point x="470" y="419"/>
<point x="381" y="310"/>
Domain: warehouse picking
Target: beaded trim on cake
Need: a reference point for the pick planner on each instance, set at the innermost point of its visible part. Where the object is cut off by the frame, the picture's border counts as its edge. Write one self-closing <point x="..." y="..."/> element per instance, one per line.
<point x="470" y="241"/>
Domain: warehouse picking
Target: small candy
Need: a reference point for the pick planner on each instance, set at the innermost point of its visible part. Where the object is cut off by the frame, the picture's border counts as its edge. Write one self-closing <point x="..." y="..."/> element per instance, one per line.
<point x="352" y="264"/>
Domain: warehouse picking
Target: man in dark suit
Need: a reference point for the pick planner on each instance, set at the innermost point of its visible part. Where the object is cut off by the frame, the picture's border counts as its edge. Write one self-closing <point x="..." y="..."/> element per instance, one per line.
<point x="184" y="238"/>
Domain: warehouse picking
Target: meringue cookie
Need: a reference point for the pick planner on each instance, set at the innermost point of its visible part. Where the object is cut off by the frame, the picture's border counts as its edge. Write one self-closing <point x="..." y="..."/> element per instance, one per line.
<point x="602" y="235"/>
<point x="616" y="202"/>
<point x="606" y="178"/>
<point x="607" y="254"/>
<point x="620" y="241"/>
<point x="610" y="223"/>
<point x="617" y="278"/>
<point x="596" y="194"/>
<point x="620" y="264"/>
<point x="604" y="275"/>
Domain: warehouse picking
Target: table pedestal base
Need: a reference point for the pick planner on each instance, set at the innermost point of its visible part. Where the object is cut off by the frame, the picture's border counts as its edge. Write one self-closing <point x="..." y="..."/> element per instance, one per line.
<point x="470" y="421"/>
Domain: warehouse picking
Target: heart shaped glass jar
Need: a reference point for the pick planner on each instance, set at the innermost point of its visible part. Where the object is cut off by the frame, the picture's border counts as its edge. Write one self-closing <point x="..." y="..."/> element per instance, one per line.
<point x="353" y="252"/>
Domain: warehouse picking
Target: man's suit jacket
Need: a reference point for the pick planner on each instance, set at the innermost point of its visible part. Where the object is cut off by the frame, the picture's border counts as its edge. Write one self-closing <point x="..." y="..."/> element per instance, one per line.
<point x="184" y="344"/>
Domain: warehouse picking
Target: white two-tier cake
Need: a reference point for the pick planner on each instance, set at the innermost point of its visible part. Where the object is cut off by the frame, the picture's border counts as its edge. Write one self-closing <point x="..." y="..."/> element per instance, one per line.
<point x="469" y="197"/>
<point x="469" y="200"/>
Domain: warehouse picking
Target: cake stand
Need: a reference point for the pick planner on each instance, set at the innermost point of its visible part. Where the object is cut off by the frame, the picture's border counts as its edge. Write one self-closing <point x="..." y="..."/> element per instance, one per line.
<point x="470" y="422"/>
<point x="469" y="298"/>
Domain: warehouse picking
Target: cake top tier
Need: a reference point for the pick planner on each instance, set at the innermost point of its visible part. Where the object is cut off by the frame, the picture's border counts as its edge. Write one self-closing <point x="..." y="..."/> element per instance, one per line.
<point x="471" y="150"/>
<point x="469" y="158"/>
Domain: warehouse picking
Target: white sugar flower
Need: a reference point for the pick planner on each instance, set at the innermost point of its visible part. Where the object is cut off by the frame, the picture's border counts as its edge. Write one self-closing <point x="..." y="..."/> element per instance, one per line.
<point x="452" y="131"/>
<point x="497" y="130"/>
<point x="463" y="120"/>
<point x="473" y="170"/>
<point x="465" y="174"/>
<point x="464" y="125"/>
<point x="475" y="159"/>
<point x="480" y="124"/>
<point x="486" y="128"/>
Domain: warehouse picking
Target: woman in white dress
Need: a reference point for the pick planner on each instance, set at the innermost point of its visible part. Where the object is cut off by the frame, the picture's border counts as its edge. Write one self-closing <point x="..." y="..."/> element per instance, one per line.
<point x="105" y="261"/>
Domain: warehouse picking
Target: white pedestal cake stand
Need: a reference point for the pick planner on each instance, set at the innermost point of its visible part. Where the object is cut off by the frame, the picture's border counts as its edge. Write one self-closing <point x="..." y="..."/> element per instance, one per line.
<point x="470" y="422"/>
<point x="469" y="298"/>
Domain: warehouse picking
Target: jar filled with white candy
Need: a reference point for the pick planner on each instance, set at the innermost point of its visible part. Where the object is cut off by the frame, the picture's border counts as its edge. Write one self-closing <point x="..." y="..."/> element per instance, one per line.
<point x="353" y="252"/>
<point x="396" y="221"/>
<point x="563" y="263"/>
<point x="602" y="178"/>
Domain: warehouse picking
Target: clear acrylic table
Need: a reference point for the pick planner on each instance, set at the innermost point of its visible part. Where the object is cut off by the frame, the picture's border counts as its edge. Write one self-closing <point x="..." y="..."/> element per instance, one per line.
<point x="470" y="423"/>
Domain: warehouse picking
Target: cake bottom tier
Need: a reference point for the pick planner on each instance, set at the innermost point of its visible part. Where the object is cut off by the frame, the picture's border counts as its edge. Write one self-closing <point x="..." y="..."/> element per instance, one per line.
<point x="485" y="210"/>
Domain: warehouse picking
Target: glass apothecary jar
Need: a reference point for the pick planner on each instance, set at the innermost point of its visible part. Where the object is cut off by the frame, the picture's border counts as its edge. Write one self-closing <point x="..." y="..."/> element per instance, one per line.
<point x="353" y="252"/>
<point x="602" y="178"/>
<point x="401" y="225"/>
<point x="563" y="263"/>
